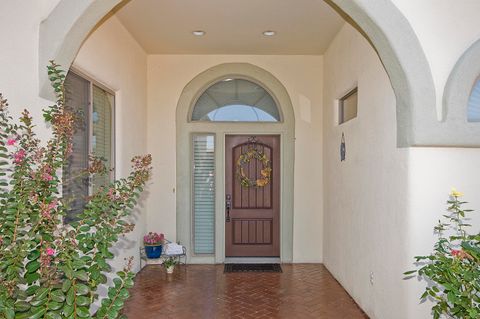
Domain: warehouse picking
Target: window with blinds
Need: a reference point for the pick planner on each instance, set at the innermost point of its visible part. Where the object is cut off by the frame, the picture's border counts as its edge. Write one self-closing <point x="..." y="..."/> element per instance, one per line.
<point x="75" y="184"/>
<point x="94" y="112"/>
<point x="204" y="194"/>
<point x="102" y="133"/>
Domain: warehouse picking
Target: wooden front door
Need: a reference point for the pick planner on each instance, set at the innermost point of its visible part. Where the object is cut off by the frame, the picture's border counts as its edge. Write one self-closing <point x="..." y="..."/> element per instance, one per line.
<point x="252" y="213"/>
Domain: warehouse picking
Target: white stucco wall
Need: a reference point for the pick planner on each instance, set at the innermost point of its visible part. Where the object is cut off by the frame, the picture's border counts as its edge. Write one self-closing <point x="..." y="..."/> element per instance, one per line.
<point x="19" y="34"/>
<point x="381" y="203"/>
<point x="302" y="77"/>
<point x="365" y="196"/>
<point x="112" y="57"/>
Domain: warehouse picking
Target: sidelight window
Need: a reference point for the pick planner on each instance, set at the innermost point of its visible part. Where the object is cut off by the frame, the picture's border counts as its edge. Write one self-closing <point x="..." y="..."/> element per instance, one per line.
<point x="204" y="193"/>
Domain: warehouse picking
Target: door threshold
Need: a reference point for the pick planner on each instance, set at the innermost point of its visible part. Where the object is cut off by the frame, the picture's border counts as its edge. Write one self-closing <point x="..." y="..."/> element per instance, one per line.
<point x="252" y="260"/>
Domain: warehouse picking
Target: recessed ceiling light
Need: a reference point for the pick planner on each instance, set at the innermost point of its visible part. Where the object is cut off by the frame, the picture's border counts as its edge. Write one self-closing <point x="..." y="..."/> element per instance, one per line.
<point x="198" y="33"/>
<point x="269" y="33"/>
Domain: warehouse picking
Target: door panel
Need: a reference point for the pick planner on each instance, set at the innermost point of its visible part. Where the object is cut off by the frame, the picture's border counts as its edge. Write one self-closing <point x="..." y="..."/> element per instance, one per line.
<point x="252" y="224"/>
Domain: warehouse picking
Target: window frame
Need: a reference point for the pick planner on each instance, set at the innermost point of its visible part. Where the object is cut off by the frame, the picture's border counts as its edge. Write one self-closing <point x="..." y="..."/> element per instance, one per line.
<point x="341" y="107"/>
<point x="192" y="191"/>
<point x="92" y="83"/>
<point x="234" y="77"/>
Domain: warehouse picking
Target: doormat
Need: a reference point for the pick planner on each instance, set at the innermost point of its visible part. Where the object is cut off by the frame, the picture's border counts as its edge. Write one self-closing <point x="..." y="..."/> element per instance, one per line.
<point x="252" y="268"/>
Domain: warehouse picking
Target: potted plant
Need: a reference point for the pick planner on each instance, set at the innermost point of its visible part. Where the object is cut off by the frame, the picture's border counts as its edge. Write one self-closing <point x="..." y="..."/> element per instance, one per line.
<point x="453" y="268"/>
<point x="169" y="264"/>
<point x="153" y="244"/>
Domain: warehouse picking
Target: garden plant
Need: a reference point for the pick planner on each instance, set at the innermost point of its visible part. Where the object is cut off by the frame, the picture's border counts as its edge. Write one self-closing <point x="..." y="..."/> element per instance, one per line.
<point x="452" y="270"/>
<point x="50" y="268"/>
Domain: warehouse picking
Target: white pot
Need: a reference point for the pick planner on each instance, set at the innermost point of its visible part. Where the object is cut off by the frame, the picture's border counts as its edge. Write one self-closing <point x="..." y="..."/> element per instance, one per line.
<point x="170" y="269"/>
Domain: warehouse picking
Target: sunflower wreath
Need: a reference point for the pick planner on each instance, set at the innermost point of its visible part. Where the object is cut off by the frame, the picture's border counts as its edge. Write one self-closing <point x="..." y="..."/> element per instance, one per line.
<point x="265" y="172"/>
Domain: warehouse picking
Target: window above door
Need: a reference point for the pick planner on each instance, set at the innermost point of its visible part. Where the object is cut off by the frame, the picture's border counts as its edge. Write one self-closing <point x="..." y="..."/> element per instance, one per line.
<point x="474" y="103"/>
<point x="235" y="100"/>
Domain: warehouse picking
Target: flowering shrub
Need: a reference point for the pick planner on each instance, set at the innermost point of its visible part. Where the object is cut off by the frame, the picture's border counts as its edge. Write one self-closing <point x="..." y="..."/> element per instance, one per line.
<point x="453" y="268"/>
<point x="153" y="238"/>
<point x="49" y="269"/>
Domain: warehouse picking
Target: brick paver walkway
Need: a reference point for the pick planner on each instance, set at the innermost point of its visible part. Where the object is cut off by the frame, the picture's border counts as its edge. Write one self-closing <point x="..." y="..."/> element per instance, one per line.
<point x="204" y="291"/>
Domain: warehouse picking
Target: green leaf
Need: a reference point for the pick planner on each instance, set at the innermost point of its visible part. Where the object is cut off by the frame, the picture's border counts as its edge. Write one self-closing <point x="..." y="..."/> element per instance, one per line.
<point x="82" y="289"/>
<point x="81" y="274"/>
<point x="38" y="313"/>
<point x="68" y="310"/>
<point x="451" y="297"/>
<point x="112" y="313"/>
<point x="83" y="312"/>
<point x="22" y="306"/>
<point x="31" y="290"/>
<point x="32" y="266"/>
<point x="57" y="295"/>
<point x="78" y="263"/>
<point x="83" y="301"/>
<point x="30" y="278"/>
<point x="117" y="282"/>
<point x="55" y="305"/>
<point x="70" y="296"/>
<point x="53" y="315"/>
<point x="9" y="313"/>
<point x="34" y="255"/>
<point x="85" y="228"/>
<point x="66" y="285"/>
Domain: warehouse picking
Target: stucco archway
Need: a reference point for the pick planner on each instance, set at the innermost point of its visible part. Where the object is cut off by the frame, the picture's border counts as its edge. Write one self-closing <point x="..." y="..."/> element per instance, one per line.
<point x="457" y="92"/>
<point x="63" y="32"/>
<point x="185" y="128"/>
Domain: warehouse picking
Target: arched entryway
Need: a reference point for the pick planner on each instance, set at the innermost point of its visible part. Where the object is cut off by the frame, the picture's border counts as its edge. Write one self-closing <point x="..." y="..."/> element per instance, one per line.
<point x="63" y="32"/>
<point x="193" y="129"/>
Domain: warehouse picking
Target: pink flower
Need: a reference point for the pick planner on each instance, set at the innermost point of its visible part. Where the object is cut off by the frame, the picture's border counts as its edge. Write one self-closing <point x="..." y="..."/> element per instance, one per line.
<point x="153" y="238"/>
<point x="53" y="204"/>
<point x="455" y="252"/>
<point x="111" y="194"/>
<point x="460" y="254"/>
<point x="19" y="156"/>
<point x="11" y="141"/>
<point x="47" y="209"/>
<point x="50" y="251"/>
<point x="47" y="177"/>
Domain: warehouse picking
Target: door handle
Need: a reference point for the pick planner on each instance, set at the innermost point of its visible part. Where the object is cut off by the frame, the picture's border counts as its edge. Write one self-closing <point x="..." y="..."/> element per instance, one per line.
<point x="228" y="206"/>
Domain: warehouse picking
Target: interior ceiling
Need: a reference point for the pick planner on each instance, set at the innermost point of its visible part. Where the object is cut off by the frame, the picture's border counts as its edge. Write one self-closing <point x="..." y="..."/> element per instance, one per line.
<point x="232" y="27"/>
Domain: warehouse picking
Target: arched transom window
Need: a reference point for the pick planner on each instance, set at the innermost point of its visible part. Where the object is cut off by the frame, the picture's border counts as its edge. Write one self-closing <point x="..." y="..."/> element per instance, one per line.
<point x="474" y="103"/>
<point x="235" y="100"/>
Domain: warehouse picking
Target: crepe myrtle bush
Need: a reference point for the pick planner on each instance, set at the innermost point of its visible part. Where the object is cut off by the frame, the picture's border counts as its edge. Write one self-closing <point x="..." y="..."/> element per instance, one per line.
<point x="452" y="270"/>
<point x="49" y="268"/>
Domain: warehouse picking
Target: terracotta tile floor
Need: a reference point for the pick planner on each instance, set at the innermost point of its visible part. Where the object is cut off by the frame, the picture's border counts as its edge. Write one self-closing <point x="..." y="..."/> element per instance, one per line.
<point x="204" y="291"/>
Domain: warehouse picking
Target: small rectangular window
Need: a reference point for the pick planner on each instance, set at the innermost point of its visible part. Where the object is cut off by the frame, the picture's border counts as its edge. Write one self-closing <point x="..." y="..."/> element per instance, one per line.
<point x="347" y="106"/>
<point x="204" y="194"/>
